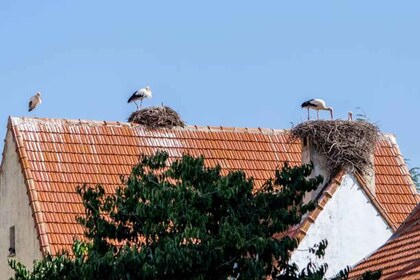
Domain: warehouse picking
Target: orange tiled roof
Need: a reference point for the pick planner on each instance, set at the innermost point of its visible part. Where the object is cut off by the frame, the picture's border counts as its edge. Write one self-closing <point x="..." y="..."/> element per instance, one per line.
<point x="57" y="155"/>
<point x="399" y="257"/>
<point x="394" y="188"/>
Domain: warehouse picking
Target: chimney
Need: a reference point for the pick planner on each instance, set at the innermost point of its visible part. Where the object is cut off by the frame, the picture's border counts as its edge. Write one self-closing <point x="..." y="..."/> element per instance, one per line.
<point x="320" y="167"/>
<point x="369" y="176"/>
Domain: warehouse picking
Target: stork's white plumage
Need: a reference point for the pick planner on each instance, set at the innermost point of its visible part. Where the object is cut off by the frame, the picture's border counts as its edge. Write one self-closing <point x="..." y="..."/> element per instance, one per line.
<point x="140" y="95"/>
<point x="34" y="101"/>
<point x="317" y="104"/>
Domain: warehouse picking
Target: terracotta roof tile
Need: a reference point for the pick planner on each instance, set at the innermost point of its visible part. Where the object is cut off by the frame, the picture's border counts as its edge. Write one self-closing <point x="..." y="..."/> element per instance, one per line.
<point x="394" y="188"/>
<point x="399" y="257"/>
<point x="62" y="154"/>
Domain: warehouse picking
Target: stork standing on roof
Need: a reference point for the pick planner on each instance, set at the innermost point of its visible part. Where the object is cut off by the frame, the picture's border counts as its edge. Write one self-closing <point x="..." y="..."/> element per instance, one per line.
<point x="34" y="101"/>
<point x="140" y="95"/>
<point x="317" y="104"/>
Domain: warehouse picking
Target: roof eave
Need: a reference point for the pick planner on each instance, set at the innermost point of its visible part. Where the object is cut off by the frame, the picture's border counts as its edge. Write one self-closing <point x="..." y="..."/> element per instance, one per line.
<point x="326" y="194"/>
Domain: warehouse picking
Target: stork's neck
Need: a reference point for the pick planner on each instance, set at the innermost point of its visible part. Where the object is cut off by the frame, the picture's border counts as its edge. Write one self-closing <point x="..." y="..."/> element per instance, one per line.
<point x="331" y="112"/>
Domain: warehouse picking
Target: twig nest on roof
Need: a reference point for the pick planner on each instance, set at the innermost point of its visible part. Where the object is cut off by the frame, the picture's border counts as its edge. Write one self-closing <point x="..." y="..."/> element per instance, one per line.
<point x="157" y="117"/>
<point x="345" y="144"/>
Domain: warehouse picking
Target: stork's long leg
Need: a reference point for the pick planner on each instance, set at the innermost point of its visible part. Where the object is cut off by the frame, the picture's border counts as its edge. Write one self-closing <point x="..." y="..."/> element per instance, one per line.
<point x="141" y="103"/>
<point x="308" y="114"/>
<point x="136" y="105"/>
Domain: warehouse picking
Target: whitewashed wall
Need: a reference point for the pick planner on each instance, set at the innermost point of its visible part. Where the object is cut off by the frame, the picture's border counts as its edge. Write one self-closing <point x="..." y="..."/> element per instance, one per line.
<point x="15" y="210"/>
<point x="352" y="226"/>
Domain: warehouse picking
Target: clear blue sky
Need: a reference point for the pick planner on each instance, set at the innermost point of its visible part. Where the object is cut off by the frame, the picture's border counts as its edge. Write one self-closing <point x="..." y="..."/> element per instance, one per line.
<point x="230" y="63"/>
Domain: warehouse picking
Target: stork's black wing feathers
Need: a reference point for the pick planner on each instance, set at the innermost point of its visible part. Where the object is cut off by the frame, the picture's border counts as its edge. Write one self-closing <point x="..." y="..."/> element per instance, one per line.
<point x="139" y="94"/>
<point x="132" y="98"/>
<point x="30" y="106"/>
<point x="307" y="103"/>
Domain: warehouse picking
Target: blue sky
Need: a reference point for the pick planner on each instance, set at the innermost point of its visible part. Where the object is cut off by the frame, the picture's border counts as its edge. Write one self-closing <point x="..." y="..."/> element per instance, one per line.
<point x="229" y="63"/>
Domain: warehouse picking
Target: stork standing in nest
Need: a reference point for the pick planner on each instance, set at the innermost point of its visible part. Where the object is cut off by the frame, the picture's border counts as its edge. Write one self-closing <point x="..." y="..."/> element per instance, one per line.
<point x="140" y="95"/>
<point x="317" y="104"/>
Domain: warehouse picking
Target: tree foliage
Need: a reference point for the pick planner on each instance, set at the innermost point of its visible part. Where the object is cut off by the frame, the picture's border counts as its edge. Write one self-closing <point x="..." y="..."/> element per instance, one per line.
<point x="186" y="221"/>
<point x="415" y="176"/>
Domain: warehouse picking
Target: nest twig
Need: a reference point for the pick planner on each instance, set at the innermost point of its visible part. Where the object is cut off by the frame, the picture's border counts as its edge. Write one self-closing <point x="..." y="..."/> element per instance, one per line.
<point x="157" y="117"/>
<point x="345" y="144"/>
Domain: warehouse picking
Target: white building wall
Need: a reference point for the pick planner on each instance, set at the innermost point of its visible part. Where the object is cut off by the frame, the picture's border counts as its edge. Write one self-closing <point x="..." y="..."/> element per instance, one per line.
<point x="351" y="225"/>
<point x="15" y="210"/>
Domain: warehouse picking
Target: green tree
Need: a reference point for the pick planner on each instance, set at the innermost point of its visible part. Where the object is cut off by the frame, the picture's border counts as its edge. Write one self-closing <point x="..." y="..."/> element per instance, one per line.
<point x="187" y="221"/>
<point x="415" y="176"/>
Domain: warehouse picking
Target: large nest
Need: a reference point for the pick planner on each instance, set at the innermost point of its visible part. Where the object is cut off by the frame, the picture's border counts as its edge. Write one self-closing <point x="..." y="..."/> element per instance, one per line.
<point x="157" y="117"/>
<point x="345" y="144"/>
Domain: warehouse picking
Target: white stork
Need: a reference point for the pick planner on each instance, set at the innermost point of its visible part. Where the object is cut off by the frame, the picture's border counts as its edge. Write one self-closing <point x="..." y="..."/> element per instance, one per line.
<point x="350" y="116"/>
<point x="317" y="104"/>
<point x="34" y="101"/>
<point x="140" y="95"/>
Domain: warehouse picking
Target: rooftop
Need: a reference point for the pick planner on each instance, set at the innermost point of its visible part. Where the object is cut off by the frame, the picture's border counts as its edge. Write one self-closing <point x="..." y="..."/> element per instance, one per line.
<point x="59" y="154"/>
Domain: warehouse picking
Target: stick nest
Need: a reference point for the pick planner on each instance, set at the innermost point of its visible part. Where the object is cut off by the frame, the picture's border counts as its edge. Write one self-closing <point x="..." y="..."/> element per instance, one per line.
<point x="345" y="144"/>
<point x="157" y="117"/>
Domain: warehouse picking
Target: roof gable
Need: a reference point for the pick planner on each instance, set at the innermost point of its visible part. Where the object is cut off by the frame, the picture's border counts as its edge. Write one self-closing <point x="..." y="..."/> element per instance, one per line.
<point x="399" y="257"/>
<point x="348" y="221"/>
<point x="57" y="155"/>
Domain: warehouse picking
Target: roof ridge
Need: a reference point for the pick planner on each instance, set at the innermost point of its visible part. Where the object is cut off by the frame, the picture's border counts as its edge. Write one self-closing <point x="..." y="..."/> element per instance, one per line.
<point x="26" y="120"/>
